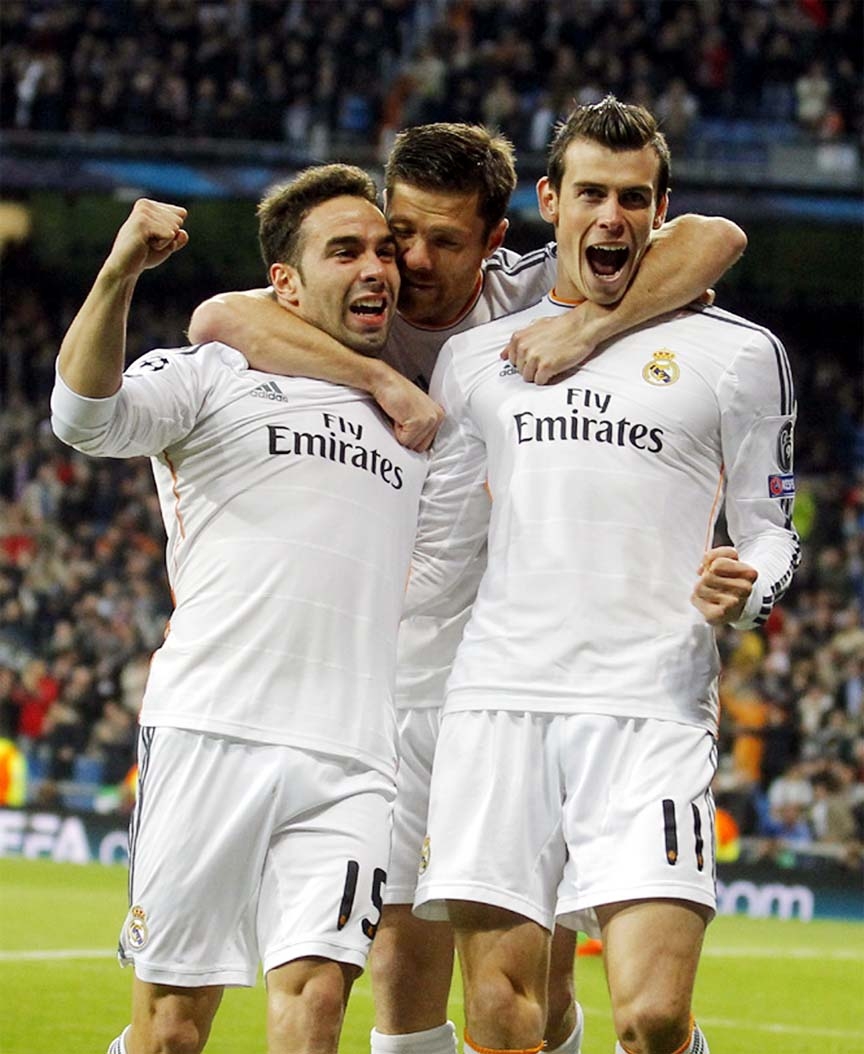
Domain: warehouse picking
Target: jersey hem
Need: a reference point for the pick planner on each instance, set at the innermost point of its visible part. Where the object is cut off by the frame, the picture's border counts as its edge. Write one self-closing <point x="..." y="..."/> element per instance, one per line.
<point x="264" y="737"/>
<point x="430" y="902"/>
<point x="460" y="702"/>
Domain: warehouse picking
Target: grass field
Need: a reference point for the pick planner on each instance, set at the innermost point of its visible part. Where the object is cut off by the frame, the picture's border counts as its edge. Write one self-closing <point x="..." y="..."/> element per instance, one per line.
<point x="765" y="987"/>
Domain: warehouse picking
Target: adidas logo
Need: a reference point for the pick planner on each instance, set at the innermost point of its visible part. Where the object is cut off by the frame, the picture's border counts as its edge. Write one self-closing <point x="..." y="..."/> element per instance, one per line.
<point x="270" y="390"/>
<point x="508" y="370"/>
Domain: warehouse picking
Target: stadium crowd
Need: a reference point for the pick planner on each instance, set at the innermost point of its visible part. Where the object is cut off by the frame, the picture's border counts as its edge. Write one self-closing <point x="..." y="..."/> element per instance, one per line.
<point x="318" y="74"/>
<point x="83" y="596"/>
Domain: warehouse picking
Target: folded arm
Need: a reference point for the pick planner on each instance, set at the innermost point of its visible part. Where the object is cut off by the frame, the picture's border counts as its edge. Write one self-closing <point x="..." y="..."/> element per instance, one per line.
<point x="739" y="586"/>
<point x="279" y="341"/>
<point x="685" y="258"/>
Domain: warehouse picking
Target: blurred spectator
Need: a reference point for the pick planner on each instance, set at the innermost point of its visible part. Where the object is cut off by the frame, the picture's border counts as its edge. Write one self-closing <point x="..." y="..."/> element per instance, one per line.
<point x="677" y="109"/>
<point x="831" y="815"/>
<point x="812" y="95"/>
<point x="151" y="68"/>
<point x="112" y="740"/>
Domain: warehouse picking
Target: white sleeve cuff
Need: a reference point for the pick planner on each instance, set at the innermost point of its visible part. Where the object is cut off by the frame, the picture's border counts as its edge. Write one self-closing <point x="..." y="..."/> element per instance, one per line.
<point x="80" y="410"/>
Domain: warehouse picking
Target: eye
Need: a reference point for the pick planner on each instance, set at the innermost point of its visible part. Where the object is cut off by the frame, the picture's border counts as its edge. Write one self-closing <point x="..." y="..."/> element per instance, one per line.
<point x="635" y="199"/>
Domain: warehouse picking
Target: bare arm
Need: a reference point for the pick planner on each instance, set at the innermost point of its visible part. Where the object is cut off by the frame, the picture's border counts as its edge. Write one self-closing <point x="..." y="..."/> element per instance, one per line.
<point x="686" y="257"/>
<point x="93" y="351"/>
<point x="279" y="341"/>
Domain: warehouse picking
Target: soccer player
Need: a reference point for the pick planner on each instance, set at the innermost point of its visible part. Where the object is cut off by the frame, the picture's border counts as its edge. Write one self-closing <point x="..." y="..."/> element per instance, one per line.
<point x="267" y="751"/>
<point x="577" y="747"/>
<point x="447" y="191"/>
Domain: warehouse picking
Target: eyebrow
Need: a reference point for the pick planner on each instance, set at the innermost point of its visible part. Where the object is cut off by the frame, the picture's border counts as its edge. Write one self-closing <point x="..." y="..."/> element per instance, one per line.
<point x="435" y="229"/>
<point x="351" y="241"/>
<point x="588" y="184"/>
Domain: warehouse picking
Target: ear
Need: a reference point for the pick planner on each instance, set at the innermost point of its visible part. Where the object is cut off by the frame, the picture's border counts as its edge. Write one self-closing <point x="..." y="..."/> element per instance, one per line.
<point x="286" y="283"/>
<point x="496" y="237"/>
<point x="547" y="200"/>
<point x="660" y="214"/>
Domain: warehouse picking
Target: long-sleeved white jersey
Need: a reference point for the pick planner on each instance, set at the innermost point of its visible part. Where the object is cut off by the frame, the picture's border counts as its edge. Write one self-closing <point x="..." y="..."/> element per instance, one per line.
<point x="428" y="639"/>
<point x="605" y="490"/>
<point x="290" y="511"/>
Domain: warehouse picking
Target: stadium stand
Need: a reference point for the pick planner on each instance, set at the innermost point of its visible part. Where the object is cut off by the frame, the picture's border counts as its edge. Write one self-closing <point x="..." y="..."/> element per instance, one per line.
<point x="83" y="597"/>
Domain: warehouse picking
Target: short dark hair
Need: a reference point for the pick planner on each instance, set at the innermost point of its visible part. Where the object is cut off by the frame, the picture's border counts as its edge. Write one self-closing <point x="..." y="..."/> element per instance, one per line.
<point x="455" y="158"/>
<point x="615" y="125"/>
<point x="283" y="208"/>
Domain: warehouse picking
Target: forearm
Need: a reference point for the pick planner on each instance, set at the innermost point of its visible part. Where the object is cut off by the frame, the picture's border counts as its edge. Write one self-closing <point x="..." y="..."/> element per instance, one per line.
<point x="93" y="351"/>
<point x="279" y="341"/>
<point x="686" y="257"/>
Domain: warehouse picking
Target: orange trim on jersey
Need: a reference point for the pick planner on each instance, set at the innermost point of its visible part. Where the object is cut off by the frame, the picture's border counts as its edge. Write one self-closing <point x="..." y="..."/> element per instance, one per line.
<point x="709" y="534"/>
<point x="176" y="494"/>
<point x="469" y="306"/>
<point x="564" y="301"/>
<point x="497" y="1050"/>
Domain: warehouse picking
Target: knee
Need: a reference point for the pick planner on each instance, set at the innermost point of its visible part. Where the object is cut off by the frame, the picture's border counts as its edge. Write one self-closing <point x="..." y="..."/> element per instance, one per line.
<point x="314" y="1012"/>
<point x="648" y="1026"/>
<point x="495" y="1005"/>
<point x="171" y="1033"/>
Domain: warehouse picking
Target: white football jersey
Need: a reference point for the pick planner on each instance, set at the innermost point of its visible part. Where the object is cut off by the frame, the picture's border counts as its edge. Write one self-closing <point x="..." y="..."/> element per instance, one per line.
<point x="428" y="639"/>
<point x="290" y="511"/>
<point x="606" y="487"/>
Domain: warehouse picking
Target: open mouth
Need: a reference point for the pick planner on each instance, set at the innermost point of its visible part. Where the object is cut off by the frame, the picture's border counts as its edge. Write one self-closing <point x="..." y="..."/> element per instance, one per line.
<point x="371" y="309"/>
<point x="607" y="261"/>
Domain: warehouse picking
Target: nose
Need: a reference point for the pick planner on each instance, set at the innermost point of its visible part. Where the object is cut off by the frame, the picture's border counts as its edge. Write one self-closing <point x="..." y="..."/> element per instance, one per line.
<point x="415" y="255"/>
<point x="611" y="213"/>
<point x="373" y="269"/>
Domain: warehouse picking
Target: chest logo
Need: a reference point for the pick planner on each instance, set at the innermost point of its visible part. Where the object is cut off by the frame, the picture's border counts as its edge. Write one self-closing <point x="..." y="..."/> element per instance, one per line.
<point x="662" y="369"/>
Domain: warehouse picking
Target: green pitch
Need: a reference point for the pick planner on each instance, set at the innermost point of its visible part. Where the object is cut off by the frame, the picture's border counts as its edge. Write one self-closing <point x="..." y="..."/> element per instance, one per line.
<point x="765" y="987"/>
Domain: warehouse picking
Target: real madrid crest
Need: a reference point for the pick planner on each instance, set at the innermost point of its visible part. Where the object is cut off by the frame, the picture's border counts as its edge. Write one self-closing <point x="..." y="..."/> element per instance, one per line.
<point x="662" y="369"/>
<point x="136" y="927"/>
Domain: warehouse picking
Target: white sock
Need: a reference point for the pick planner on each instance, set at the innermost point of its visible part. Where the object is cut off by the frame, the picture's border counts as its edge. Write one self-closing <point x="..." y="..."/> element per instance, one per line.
<point x="698" y="1044"/>
<point x="439" y="1040"/>
<point x="118" y="1045"/>
<point x="573" y="1043"/>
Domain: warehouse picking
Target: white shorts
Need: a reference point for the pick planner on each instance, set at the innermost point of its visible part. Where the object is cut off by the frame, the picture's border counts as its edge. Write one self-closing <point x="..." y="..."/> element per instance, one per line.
<point x="418" y="733"/>
<point x="243" y="853"/>
<point x="553" y="815"/>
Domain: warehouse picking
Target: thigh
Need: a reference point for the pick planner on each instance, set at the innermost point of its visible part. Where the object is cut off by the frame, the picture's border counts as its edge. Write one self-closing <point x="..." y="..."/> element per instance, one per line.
<point x="199" y="838"/>
<point x="418" y="734"/>
<point x="324" y="875"/>
<point x="505" y="960"/>
<point x="651" y="952"/>
<point x="639" y="815"/>
<point x="495" y="832"/>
